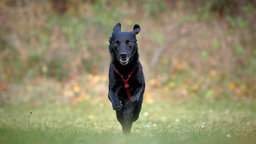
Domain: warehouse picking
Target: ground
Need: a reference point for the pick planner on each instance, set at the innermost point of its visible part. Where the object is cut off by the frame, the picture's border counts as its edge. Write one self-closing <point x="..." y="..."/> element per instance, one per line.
<point x="194" y="121"/>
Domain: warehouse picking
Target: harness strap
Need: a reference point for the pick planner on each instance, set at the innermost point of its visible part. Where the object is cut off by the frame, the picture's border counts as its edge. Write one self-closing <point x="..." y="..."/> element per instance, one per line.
<point x="125" y="80"/>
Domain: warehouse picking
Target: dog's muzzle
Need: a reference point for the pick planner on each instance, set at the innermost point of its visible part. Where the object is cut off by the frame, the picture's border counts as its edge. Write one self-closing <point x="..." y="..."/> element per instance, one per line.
<point x="124" y="61"/>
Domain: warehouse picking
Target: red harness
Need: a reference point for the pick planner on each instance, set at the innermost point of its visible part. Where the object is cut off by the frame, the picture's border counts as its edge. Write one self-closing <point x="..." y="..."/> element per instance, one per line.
<point x="126" y="81"/>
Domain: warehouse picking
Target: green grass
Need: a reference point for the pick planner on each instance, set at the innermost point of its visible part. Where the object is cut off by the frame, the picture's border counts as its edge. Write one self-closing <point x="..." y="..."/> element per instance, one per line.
<point x="191" y="122"/>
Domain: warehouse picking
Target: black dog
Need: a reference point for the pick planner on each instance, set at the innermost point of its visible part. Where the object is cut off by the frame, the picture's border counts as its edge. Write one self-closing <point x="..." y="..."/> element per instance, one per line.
<point x="126" y="80"/>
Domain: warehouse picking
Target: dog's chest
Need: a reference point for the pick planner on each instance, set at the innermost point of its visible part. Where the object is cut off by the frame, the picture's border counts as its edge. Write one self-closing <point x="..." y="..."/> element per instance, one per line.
<point x="120" y="86"/>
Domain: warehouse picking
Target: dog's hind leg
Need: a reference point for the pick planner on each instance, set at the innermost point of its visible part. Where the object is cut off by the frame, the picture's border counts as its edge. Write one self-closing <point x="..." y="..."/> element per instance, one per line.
<point x="126" y="127"/>
<point x="126" y="123"/>
<point x="136" y="111"/>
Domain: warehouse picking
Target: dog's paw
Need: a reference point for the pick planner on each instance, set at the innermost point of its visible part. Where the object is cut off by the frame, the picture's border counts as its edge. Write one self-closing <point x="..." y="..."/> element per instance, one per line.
<point x="117" y="105"/>
<point x="134" y="99"/>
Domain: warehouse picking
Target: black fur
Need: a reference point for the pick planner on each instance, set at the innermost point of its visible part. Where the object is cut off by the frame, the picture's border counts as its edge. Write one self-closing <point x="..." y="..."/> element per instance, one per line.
<point x="124" y="52"/>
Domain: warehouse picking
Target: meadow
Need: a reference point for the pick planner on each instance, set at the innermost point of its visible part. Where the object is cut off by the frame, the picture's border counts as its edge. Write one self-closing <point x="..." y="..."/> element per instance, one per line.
<point x="187" y="122"/>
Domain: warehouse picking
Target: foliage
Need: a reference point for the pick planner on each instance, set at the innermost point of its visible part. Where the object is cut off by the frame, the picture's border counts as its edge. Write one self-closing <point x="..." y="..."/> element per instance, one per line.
<point x="188" y="49"/>
<point x="153" y="7"/>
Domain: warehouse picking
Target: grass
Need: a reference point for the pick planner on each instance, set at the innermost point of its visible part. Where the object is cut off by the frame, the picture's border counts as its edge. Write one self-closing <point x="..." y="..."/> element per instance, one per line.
<point x="190" y="122"/>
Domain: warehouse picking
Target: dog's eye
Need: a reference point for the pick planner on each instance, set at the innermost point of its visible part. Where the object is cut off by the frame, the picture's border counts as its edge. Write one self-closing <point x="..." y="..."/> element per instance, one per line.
<point x="129" y="43"/>
<point x="116" y="44"/>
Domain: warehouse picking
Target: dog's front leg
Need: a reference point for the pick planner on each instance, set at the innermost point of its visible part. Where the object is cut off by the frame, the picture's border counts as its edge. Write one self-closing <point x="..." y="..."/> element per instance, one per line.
<point x="136" y="97"/>
<point x="116" y="103"/>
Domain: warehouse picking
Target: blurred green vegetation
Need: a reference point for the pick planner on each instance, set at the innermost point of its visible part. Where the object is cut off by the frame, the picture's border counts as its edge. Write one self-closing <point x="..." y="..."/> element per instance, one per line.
<point x="188" y="49"/>
<point x="162" y="122"/>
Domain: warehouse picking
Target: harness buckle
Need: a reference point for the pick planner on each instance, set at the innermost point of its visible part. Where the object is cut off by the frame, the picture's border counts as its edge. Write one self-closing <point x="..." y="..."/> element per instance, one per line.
<point x="126" y="84"/>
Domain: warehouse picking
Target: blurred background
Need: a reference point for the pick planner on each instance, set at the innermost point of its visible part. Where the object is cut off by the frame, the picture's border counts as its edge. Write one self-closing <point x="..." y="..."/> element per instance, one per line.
<point x="57" y="50"/>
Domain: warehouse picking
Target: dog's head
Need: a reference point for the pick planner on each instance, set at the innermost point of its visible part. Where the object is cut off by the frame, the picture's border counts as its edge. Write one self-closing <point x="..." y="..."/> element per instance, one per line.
<point x="123" y="45"/>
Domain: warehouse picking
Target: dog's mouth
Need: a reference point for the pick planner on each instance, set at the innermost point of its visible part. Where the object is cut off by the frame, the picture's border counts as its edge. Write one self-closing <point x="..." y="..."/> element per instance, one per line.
<point x="124" y="61"/>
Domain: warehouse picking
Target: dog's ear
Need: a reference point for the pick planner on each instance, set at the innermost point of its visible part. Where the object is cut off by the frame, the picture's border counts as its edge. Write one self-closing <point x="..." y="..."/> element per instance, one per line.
<point x="117" y="28"/>
<point x="136" y="29"/>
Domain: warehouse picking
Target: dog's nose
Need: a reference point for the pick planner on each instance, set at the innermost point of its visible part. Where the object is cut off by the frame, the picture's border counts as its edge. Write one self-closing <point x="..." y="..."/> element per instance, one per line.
<point x="123" y="55"/>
